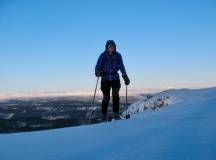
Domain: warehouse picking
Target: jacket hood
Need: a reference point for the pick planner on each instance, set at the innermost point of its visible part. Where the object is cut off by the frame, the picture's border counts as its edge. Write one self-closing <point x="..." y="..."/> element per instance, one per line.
<point x="110" y="42"/>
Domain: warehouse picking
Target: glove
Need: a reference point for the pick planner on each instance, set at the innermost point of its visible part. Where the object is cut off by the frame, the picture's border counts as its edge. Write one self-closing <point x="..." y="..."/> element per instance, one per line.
<point x="126" y="79"/>
<point x="98" y="73"/>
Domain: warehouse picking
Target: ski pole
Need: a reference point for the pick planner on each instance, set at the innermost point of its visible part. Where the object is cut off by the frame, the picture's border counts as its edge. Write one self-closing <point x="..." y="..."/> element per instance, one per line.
<point x="127" y="115"/>
<point x="126" y="96"/>
<point x="94" y="99"/>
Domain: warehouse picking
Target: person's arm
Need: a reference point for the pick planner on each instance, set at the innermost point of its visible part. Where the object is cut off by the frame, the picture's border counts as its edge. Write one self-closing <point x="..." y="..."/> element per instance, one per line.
<point x="123" y="71"/>
<point x="99" y="67"/>
<point x="121" y="66"/>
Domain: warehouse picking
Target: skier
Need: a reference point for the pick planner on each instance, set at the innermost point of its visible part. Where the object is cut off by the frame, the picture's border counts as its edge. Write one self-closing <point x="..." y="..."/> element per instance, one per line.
<point x="107" y="67"/>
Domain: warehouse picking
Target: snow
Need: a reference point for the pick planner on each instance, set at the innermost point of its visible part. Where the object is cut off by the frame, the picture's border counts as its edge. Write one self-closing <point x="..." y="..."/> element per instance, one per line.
<point x="184" y="130"/>
<point x="170" y="97"/>
<point x="55" y="117"/>
<point x="6" y="115"/>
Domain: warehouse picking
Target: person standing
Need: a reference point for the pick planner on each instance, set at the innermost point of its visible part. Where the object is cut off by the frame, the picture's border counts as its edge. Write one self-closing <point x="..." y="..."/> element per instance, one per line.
<point x="107" y="67"/>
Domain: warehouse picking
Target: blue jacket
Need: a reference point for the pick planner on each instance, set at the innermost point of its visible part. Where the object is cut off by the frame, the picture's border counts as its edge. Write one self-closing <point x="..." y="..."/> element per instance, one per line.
<point x="110" y="65"/>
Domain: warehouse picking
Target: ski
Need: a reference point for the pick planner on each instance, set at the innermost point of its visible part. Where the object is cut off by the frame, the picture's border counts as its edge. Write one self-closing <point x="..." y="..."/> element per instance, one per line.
<point x="111" y="119"/>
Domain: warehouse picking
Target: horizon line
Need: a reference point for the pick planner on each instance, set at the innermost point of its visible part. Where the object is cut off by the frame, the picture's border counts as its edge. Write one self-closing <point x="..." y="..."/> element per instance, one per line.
<point x="47" y="94"/>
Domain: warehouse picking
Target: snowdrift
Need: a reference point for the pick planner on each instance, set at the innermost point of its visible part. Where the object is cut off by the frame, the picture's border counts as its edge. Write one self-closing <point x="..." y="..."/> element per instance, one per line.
<point x="184" y="128"/>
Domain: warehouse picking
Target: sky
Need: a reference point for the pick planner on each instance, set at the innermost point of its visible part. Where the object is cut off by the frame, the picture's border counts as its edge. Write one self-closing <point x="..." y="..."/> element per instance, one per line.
<point x="53" y="45"/>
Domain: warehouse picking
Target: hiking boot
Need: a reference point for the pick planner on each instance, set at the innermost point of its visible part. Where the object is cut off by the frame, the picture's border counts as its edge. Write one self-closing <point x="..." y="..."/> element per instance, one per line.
<point x="116" y="116"/>
<point x="104" y="117"/>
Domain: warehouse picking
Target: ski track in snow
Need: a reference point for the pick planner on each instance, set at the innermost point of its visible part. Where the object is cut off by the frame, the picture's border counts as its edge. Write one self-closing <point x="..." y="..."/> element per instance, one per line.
<point x="184" y="130"/>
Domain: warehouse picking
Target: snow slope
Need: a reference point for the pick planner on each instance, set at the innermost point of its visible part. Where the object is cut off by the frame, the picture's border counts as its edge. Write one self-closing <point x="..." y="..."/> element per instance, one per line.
<point x="184" y="130"/>
<point x="171" y="97"/>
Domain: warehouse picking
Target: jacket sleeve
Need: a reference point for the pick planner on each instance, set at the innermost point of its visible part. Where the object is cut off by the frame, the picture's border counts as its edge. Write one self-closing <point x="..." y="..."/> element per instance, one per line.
<point x="121" y="66"/>
<point x="99" y="66"/>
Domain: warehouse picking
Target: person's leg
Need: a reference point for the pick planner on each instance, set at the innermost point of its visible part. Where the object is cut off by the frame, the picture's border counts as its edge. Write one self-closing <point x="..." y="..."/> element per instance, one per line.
<point x="115" y="94"/>
<point x="105" y="87"/>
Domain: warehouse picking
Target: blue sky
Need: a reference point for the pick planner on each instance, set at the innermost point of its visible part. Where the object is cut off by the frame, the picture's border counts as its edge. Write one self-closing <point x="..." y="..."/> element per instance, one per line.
<point x="50" y="45"/>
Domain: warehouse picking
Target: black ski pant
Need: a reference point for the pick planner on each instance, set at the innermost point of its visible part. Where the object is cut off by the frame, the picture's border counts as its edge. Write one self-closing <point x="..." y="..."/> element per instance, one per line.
<point x="106" y="86"/>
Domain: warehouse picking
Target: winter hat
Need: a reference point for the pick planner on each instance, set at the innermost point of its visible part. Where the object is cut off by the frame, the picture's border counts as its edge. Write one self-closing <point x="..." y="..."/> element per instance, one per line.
<point x="110" y="42"/>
